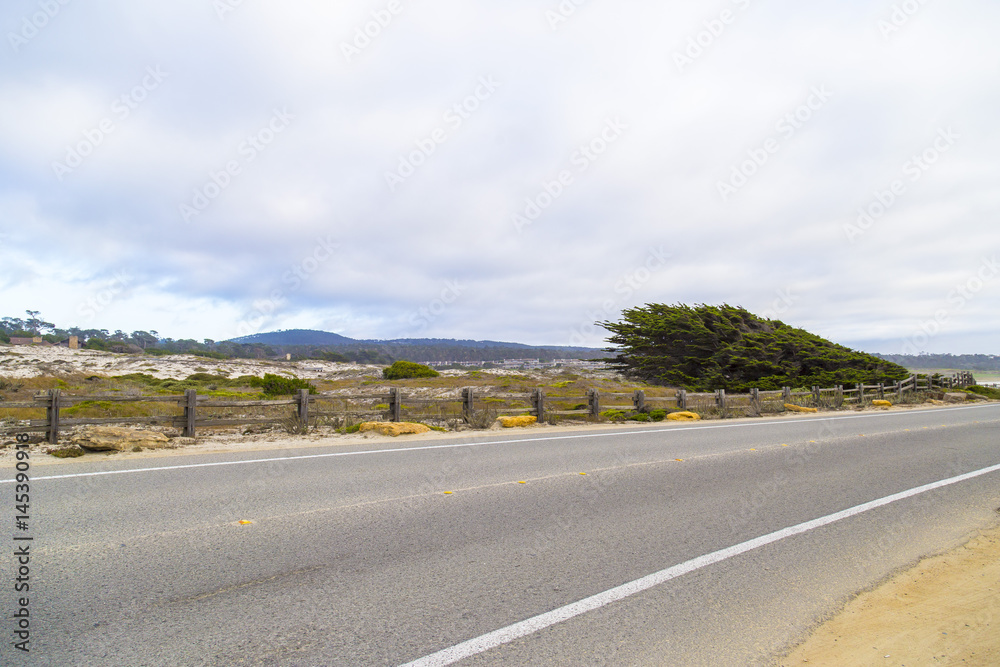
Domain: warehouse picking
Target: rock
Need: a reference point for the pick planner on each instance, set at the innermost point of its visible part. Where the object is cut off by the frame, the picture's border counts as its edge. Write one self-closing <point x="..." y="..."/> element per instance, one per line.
<point x="799" y="408"/>
<point x="515" y="422"/>
<point x="955" y="397"/>
<point x="882" y="404"/>
<point x="113" y="438"/>
<point x="394" y="428"/>
<point x="683" y="416"/>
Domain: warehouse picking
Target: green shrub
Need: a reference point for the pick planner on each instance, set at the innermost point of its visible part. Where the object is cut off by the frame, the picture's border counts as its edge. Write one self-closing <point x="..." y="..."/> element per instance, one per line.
<point x="658" y="415"/>
<point x="157" y="352"/>
<point x="404" y="370"/>
<point x="614" y="415"/>
<point x="206" y="377"/>
<point x="988" y="392"/>
<point x="639" y="417"/>
<point x="209" y="355"/>
<point x="278" y="385"/>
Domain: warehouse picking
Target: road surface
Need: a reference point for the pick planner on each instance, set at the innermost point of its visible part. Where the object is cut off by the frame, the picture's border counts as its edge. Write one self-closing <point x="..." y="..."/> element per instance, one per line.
<point x="358" y="556"/>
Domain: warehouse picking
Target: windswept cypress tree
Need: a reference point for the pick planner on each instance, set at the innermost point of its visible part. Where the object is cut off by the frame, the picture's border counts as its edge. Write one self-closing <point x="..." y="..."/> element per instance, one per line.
<point x="701" y="348"/>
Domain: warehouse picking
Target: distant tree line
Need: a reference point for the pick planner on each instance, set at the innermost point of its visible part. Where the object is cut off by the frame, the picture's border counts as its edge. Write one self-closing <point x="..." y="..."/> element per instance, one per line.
<point x="362" y="352"/>
<point x="962" y="362"/>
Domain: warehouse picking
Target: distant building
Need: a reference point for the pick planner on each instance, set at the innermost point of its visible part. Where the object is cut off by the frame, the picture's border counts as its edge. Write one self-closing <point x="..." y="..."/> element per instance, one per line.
<point x="36" y="340"/>
<point x="72" y="343"/>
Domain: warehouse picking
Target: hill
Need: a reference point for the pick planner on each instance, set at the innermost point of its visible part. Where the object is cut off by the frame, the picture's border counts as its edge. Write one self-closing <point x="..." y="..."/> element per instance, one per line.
<point x="294" y="337"/>
<point x="701" y="348"/>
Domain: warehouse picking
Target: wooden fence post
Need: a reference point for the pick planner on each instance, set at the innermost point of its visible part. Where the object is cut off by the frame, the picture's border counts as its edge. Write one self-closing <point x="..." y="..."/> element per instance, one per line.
<point x="395" y="404"/>
<point x="816" y="395"/>
<point x="861" y="393"/>
<point x="468" y="403"/>
<point x="304" y="408"/>
<point x="720" y="400"/>
<point x="538" y="404"/>
<point x="594" y="401"/>
<point x="639" y="400"/>
<point x="682" y="399"/>
<point x="52" y="416"/>
<point x="786" y="394"/>
<point x="838" y="397"/>
<point x="881" y="391"/>
<point x="190" y="408"/>
<point x="755" y="401"/>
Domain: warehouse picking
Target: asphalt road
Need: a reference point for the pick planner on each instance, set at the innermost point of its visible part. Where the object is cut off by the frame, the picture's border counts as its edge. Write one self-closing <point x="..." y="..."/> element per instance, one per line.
<point x="359" y="557"/>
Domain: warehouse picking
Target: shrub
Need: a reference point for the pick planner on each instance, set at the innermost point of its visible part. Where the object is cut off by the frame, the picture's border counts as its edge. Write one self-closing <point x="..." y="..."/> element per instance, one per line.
<point x="658" y="415"/>
<point x="639" y="417"/>
<point x="278" y="385"/>
<point x="988" y="392"/>
<point x="404" y="370"/>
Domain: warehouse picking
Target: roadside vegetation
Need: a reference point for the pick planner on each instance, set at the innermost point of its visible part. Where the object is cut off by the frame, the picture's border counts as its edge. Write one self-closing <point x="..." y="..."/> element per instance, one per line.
<point x="703" y="348"/>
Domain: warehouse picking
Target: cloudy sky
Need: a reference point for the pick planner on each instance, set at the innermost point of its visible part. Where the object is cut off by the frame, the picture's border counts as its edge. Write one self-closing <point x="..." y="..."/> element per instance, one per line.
<point x="507" y="171"/>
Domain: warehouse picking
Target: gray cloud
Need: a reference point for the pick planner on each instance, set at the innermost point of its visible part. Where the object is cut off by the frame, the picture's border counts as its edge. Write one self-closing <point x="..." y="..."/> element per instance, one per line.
<point x="206" y="127"/>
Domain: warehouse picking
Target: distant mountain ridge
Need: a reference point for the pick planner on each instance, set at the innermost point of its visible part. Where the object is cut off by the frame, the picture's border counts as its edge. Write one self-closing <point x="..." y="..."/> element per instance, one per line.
<point x="326" y="338"/>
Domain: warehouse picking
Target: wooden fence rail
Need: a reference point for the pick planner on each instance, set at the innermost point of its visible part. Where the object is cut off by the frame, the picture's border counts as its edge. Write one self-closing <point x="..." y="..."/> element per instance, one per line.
<point x="191" y="413"/>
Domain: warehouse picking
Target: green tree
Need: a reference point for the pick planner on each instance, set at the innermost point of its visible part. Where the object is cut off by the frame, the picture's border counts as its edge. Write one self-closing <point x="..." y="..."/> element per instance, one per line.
<point x="702" y="348"/>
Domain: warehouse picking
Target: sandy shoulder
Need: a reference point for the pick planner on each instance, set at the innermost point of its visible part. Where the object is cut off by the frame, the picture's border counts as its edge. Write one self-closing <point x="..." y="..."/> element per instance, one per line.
<point x="943" y="611"/>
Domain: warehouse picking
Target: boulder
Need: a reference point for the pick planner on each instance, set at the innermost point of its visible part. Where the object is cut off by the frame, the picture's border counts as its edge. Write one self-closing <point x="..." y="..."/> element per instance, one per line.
<point x="115" y="439"/>
<point x="955" y="397"/>
<point x="514" y="422"/>
<point x="683" y="416"/>
<point x="394" y="428"/>
<point x="882" y="404"/>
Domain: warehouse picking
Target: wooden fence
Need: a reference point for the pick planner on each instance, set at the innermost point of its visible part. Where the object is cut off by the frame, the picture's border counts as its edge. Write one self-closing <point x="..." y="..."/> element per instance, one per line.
<point x="191" y="412"/>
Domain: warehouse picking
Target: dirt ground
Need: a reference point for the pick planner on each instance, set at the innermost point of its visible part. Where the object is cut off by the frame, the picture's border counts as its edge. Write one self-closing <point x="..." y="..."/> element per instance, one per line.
<point x="943" y="611"/>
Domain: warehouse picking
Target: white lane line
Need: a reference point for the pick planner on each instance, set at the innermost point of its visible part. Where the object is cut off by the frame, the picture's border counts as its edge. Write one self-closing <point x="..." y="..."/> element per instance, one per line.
<point x="489" y="443"/>
<point x="517" y="630"/>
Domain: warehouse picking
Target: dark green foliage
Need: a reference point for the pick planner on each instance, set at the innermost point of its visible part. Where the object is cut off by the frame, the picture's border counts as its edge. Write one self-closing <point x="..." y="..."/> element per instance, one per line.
<point x="988" y="392"/>
<point x="278" y="385"/>
<point x="404" y="370"/>
<point x="703" y="348"/>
